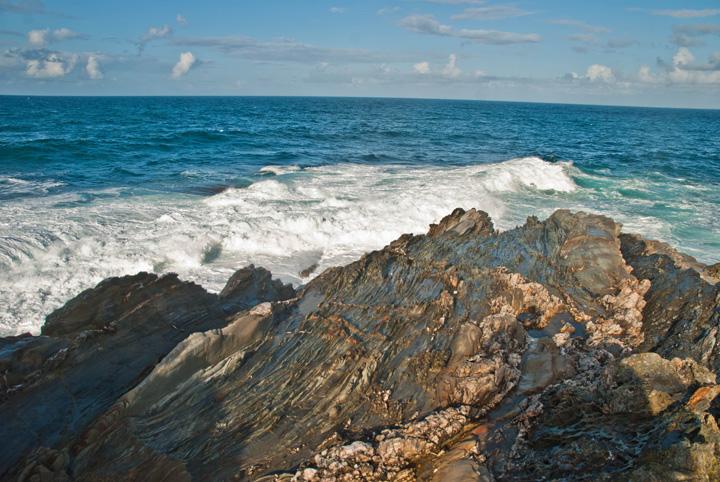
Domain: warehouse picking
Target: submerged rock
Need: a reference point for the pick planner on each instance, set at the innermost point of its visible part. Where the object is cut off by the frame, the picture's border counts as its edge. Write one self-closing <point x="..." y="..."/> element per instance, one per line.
<point x="561" y="349"/>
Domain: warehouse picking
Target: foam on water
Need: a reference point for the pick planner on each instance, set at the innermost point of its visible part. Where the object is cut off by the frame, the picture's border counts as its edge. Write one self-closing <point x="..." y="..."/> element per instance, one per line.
<point x="52" y="248"/>
<point x="279" y="170"/>
<point x="13" y="186"/>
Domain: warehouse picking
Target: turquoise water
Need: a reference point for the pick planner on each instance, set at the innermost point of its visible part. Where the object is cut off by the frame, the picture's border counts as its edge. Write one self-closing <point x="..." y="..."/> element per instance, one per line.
<point x="94" y="187"/>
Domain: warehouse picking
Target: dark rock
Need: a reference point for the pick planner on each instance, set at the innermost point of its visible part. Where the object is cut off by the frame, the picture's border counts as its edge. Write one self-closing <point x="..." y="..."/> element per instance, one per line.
<point x="251" y="285"/>
<point x="308" y="271"/>
<point x="681" y="317"/>
<point x="561" y="349"/>
<point x="101" y="344"/>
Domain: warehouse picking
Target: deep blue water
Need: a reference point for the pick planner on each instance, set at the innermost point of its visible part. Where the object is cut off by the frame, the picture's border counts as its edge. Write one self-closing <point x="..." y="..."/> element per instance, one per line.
<point x="92" y="187"/>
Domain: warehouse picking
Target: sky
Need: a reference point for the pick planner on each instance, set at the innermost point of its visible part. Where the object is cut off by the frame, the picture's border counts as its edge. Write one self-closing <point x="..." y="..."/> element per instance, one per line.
<point x="648" y="53"/>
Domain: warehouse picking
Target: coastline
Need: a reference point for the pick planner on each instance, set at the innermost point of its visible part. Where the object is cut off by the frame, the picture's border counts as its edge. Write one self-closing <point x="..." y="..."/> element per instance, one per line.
<point x="457" y="352"/>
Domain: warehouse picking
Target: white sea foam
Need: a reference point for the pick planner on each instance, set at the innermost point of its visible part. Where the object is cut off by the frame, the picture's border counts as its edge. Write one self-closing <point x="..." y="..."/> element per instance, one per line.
<point x="51" y="250"/>
<point x="280" y="170"/>
<point x="13" y="186"/>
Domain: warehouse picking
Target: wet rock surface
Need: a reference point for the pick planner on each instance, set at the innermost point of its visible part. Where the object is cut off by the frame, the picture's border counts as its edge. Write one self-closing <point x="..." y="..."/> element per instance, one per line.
<point x="559" y="350"/>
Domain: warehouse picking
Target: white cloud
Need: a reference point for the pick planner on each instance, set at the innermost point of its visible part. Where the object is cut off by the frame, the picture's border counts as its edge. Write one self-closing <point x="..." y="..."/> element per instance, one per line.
<point x="153" y="33"/>
<point x="683" y="70"/>
<point x="428" y="25"/>
<point x="180" y="19"/>
<point x="646" y="75"/>
<point x="451" y="69"/>
<point x="157" y="32"/>
<point x="682" y="57"/>
<point x="53" y="66"/>
<point x="600" y="73"/>
<point x="688" y="13"/>
<point x="38" y="38"/>
<point x="422" y="68"/>
<point x="187" y="60"/>
<point x="64" y="34"/>
<point x="337" y="10"/>
<point x="683" y="76"/>
<point x="93" y="68"/>
<point x="41" y="37"/>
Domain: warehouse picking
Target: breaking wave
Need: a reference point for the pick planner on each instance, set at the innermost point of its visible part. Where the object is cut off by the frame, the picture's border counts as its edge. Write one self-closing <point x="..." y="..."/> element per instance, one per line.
<point x="52" y="248"/>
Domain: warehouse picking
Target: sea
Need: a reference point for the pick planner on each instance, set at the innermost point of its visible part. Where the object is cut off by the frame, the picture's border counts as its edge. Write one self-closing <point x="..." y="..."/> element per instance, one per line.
<point x="92" y="187"/>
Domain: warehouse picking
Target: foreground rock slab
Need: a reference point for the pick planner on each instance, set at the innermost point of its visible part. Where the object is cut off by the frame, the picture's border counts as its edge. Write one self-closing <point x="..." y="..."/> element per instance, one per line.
<point x="100" y="345"/>
<point x="562" y="349"/>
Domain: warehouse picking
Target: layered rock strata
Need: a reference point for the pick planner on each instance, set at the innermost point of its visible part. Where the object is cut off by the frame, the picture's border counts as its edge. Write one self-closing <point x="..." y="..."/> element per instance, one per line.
<point x="562" y="349"/>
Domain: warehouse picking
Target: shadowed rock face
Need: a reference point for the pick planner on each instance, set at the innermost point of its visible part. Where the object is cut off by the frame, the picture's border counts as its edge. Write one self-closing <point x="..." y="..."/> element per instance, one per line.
<point x="560" y="349"/>
<point x="101" y="344"/>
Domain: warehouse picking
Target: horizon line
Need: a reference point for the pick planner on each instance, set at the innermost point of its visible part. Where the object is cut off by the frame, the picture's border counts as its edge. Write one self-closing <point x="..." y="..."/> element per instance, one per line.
<point x="356" y="97"/>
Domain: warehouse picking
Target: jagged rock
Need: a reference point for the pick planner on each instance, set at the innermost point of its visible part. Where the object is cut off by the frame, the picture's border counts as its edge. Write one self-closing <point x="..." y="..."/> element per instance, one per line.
<point x="681" y="316"/>
<point x="461" y="223"/>
<point x="561" y="349"/>
<point x="101" y="344"/>
<point x="251" y="285"/>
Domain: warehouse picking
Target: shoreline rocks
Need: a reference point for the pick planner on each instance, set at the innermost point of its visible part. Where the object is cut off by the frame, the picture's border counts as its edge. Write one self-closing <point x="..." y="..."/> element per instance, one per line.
<point x="561" y="349"/>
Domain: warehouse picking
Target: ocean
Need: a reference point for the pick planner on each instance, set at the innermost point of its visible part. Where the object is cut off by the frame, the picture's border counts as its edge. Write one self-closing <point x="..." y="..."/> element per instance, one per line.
<point x="201" y="186"/>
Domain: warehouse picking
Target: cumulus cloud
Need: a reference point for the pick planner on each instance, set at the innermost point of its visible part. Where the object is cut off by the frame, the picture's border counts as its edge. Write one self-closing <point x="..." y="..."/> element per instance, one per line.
<point x="38" y="38"/>
<point x="157" y="32"/>
<point x="54" y="65"/>
<point x="683" y="57"/>
<point x="427" y="24"/>
<point x="422" y="68"/>
<point x="64" y="34"/>
<point x="600" y="73"/>
<point x="41" y="37"/>
<point x="92" y="68"/>
<point x="685" y="70"/>
<point x="180" y="19"/>
<point x="337" y="10"/>
<point x="490" y="12"/>
<point x="183" y="66"/>
<point x="451" y="69"/>
<point x="153" y="33"/>
<point x="688" y="13"/>
<point x="646" y="75"/>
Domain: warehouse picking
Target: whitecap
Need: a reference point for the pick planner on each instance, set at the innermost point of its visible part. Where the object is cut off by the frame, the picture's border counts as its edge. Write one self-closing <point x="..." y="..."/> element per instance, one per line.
<point x="279" y="170"/>
<point x="327" y="215"/>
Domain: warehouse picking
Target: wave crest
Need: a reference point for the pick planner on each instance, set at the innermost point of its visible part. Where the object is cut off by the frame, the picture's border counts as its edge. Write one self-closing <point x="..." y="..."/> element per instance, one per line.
<point x="323" y="216"/>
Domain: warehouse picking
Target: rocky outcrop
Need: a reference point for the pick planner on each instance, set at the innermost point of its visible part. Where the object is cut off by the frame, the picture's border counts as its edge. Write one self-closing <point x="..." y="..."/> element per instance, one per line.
<point x="562" y="349"/>
<point x="101" y="344"/>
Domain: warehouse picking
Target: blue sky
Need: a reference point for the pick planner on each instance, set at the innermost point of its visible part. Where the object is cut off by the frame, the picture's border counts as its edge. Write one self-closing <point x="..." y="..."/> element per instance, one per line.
<point x="664" y="53"/>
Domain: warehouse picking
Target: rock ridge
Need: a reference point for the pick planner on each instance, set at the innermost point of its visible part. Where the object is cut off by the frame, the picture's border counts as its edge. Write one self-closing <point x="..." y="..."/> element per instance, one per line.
<point x="563" y="349"/>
